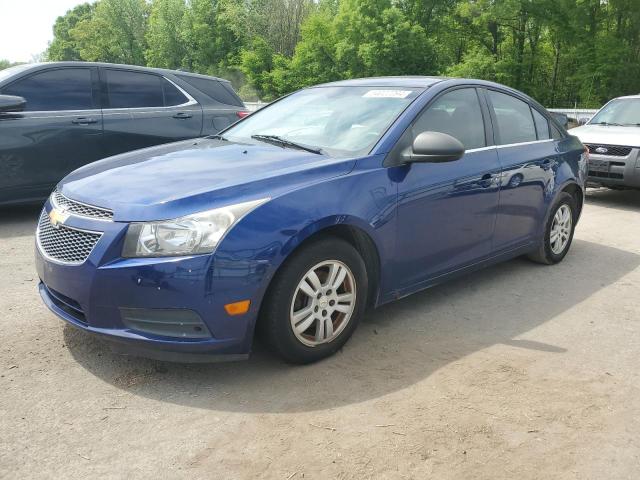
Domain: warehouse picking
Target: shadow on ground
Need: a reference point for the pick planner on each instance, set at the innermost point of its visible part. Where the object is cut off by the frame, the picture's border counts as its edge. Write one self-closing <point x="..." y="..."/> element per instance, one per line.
<point x="395" y="347"/>
<point x="18" y="221"/>
<point x="618" y="199"/>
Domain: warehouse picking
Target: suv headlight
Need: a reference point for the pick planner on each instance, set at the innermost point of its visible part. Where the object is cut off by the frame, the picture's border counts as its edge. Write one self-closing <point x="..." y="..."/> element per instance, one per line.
<point x="188" y="235"/>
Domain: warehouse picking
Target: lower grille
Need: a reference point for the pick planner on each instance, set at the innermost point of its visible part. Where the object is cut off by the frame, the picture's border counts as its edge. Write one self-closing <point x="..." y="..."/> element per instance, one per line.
<point x="65" y="244"/>
<point x="68" y="305"/>
<point x="617" y="176"/>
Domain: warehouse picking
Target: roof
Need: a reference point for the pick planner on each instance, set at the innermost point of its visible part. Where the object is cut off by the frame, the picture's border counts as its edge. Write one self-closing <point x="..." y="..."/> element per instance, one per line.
<point x="404" y="81"/>
<point x="131" y="67"/>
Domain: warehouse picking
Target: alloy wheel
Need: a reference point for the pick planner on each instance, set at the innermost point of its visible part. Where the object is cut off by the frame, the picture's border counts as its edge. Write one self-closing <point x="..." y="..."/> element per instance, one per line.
<point x="323" y="303"/>
<point x="560" y="229"/>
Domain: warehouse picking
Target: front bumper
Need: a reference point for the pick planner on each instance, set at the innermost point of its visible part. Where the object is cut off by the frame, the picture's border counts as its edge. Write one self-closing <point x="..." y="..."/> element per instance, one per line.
<point x="615" y="170"/>
<point x="90" y="296"/>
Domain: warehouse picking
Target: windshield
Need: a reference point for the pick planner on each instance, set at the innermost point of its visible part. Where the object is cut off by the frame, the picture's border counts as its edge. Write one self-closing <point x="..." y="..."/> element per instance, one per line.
<point x="7" y="72"/>
<point x="338" y="121"/>
<point x="624" y="111"/>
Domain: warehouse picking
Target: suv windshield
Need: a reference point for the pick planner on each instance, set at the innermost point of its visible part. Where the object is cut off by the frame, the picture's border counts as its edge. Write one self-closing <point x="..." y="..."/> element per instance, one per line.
<point x="623" y="111"/>
<point x="339" y="121"/>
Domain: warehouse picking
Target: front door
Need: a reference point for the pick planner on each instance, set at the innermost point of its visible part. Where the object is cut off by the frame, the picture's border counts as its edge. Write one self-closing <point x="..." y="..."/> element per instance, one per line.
<point x="447" y="211"/>
<point x="59" y="130"/>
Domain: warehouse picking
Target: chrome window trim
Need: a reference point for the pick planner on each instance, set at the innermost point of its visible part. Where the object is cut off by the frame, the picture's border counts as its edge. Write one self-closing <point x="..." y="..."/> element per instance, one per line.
<point x="73" y="214"/>
<point x="67" y="113"/>
<point x="480" y="149"/>
<point x="59" y="262"/>
<point x="508" y="145"/>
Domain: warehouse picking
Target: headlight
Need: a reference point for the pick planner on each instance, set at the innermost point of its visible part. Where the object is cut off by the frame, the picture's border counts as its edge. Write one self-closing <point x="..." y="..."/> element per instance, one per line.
<point x="192" y="234"/>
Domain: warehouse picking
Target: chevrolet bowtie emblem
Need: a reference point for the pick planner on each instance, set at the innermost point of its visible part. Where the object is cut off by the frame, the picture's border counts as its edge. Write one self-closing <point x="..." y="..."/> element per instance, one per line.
<point x="58" y="217"/>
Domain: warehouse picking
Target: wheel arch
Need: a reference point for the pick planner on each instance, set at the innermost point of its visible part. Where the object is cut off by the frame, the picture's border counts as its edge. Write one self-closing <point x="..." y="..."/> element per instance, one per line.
<point x="573" y="189"/>
<point x="348" y="229"/>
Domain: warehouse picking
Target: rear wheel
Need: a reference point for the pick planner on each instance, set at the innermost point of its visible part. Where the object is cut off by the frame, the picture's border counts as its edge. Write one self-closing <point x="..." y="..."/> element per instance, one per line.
<point x="558" y="231"/>
<point x="315" y="301"/>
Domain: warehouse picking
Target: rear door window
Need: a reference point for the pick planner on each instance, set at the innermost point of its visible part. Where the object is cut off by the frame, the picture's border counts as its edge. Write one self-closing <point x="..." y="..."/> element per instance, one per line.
<point x="515" y="122"/>
<point x="172" y="96"/>
<point x="55" y="90"/>
<point x="556" y="134"/>
<point x="214" y="89"/>
<point x="127" y="89"/>
<point x="542" y="125"/>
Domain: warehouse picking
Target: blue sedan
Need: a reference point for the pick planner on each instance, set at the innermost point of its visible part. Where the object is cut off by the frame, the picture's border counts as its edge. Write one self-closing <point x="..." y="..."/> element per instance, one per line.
<point x="298" y="218"/>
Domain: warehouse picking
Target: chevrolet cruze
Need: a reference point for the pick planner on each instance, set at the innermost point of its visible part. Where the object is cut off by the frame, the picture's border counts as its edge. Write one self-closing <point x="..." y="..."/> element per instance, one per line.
<point x="296" y="219"/>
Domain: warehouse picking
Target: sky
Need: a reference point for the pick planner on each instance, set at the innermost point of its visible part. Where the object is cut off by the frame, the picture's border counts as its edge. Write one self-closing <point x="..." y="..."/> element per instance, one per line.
<point x="27" y="26"/>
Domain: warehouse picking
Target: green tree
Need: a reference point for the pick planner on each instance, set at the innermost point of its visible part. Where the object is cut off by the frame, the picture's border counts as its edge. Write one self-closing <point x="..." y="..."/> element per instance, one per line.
<point x="166" y="36"/>
<point x="212" y="44"/>
<point x="114" y="33"/>
<point x="562" y="52"/>
<point x="364" y="38"/>
<point x="6" y="64"/>
<point x="64" y="46"/>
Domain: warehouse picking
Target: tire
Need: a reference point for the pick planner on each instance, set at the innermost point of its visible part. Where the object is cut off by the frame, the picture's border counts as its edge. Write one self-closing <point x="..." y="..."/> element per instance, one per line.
<point x="549" y="253"/>
<point x="289" y="302"/>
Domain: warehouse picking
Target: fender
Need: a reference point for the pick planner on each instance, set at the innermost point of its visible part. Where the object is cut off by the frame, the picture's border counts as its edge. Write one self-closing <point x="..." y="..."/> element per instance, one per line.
<point x="559" y="189"/>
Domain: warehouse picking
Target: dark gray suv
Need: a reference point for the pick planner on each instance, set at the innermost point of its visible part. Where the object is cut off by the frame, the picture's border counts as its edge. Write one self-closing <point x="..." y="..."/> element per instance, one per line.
<point x="56" y="117"/>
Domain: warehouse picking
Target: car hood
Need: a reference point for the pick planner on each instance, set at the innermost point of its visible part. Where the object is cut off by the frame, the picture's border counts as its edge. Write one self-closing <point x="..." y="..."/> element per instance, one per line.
<point x="185" y="177"/>
<point x="608" y="135"/>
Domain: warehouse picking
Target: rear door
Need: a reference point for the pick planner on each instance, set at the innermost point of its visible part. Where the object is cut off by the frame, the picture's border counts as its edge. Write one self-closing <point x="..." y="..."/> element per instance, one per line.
<point x="143" y="109"/>
<point x="528" y="157"/>
<point x="222" y="109"/>
<point x="59" y="130"/>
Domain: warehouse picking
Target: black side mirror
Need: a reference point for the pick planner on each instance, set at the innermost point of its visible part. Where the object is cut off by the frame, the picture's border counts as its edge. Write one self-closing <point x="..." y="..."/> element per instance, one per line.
<point x="584" y="120"/>
<point x="9" y="103"/>
<point x="434" y="147"/>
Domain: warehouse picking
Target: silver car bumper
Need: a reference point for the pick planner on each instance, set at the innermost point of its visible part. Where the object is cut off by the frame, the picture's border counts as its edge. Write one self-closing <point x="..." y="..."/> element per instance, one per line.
<point x="614" y="170"/>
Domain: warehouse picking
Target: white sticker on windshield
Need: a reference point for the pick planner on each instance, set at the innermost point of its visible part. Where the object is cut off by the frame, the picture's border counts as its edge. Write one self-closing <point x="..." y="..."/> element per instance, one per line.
<point x="387" y="94"/>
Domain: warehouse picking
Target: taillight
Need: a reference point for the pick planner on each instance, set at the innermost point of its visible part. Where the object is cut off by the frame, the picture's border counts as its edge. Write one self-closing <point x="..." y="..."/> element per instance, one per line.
<point x="242" y="113"/>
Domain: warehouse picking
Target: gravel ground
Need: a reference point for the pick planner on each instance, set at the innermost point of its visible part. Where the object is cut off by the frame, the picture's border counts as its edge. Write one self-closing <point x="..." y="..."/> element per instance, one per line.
<point x="518" y="371"/>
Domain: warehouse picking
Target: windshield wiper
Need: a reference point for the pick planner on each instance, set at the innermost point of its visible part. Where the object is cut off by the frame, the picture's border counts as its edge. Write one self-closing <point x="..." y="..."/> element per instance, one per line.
<point x="613" y="124"/>
<point x="283" y="142"/>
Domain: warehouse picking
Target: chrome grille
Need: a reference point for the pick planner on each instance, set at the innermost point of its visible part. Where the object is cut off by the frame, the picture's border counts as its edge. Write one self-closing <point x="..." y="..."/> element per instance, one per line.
<point x="65" y="244"/>
<point x="79" y="208"/>
<point x="611" y="150"/>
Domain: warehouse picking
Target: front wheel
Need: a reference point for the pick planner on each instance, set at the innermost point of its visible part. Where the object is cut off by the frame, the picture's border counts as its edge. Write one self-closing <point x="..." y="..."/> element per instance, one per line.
<point x="558" y="231"/>
<point x="315" y="301"/>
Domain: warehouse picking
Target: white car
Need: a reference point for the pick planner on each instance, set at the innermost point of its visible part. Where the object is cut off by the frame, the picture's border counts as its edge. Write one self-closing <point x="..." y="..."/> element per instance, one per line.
<point x="613" y="139"/>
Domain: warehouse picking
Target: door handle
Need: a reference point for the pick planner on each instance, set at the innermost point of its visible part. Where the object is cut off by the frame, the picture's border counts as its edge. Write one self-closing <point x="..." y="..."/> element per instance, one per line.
<point x="83" y="120"/>
<point x="182" y="115"/>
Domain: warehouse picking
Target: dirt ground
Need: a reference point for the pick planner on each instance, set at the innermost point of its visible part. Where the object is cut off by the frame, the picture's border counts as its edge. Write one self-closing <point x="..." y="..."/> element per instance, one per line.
<point x="519" y="371"/>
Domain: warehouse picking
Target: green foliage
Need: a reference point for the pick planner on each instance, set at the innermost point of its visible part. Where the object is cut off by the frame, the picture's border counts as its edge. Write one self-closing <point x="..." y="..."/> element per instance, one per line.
<point x="64" y="46"/>
<point x="167" y="46"/>
<point x="562" y="52"/>
<point x="6" y="64"/>
<point x="115" y="32"/>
